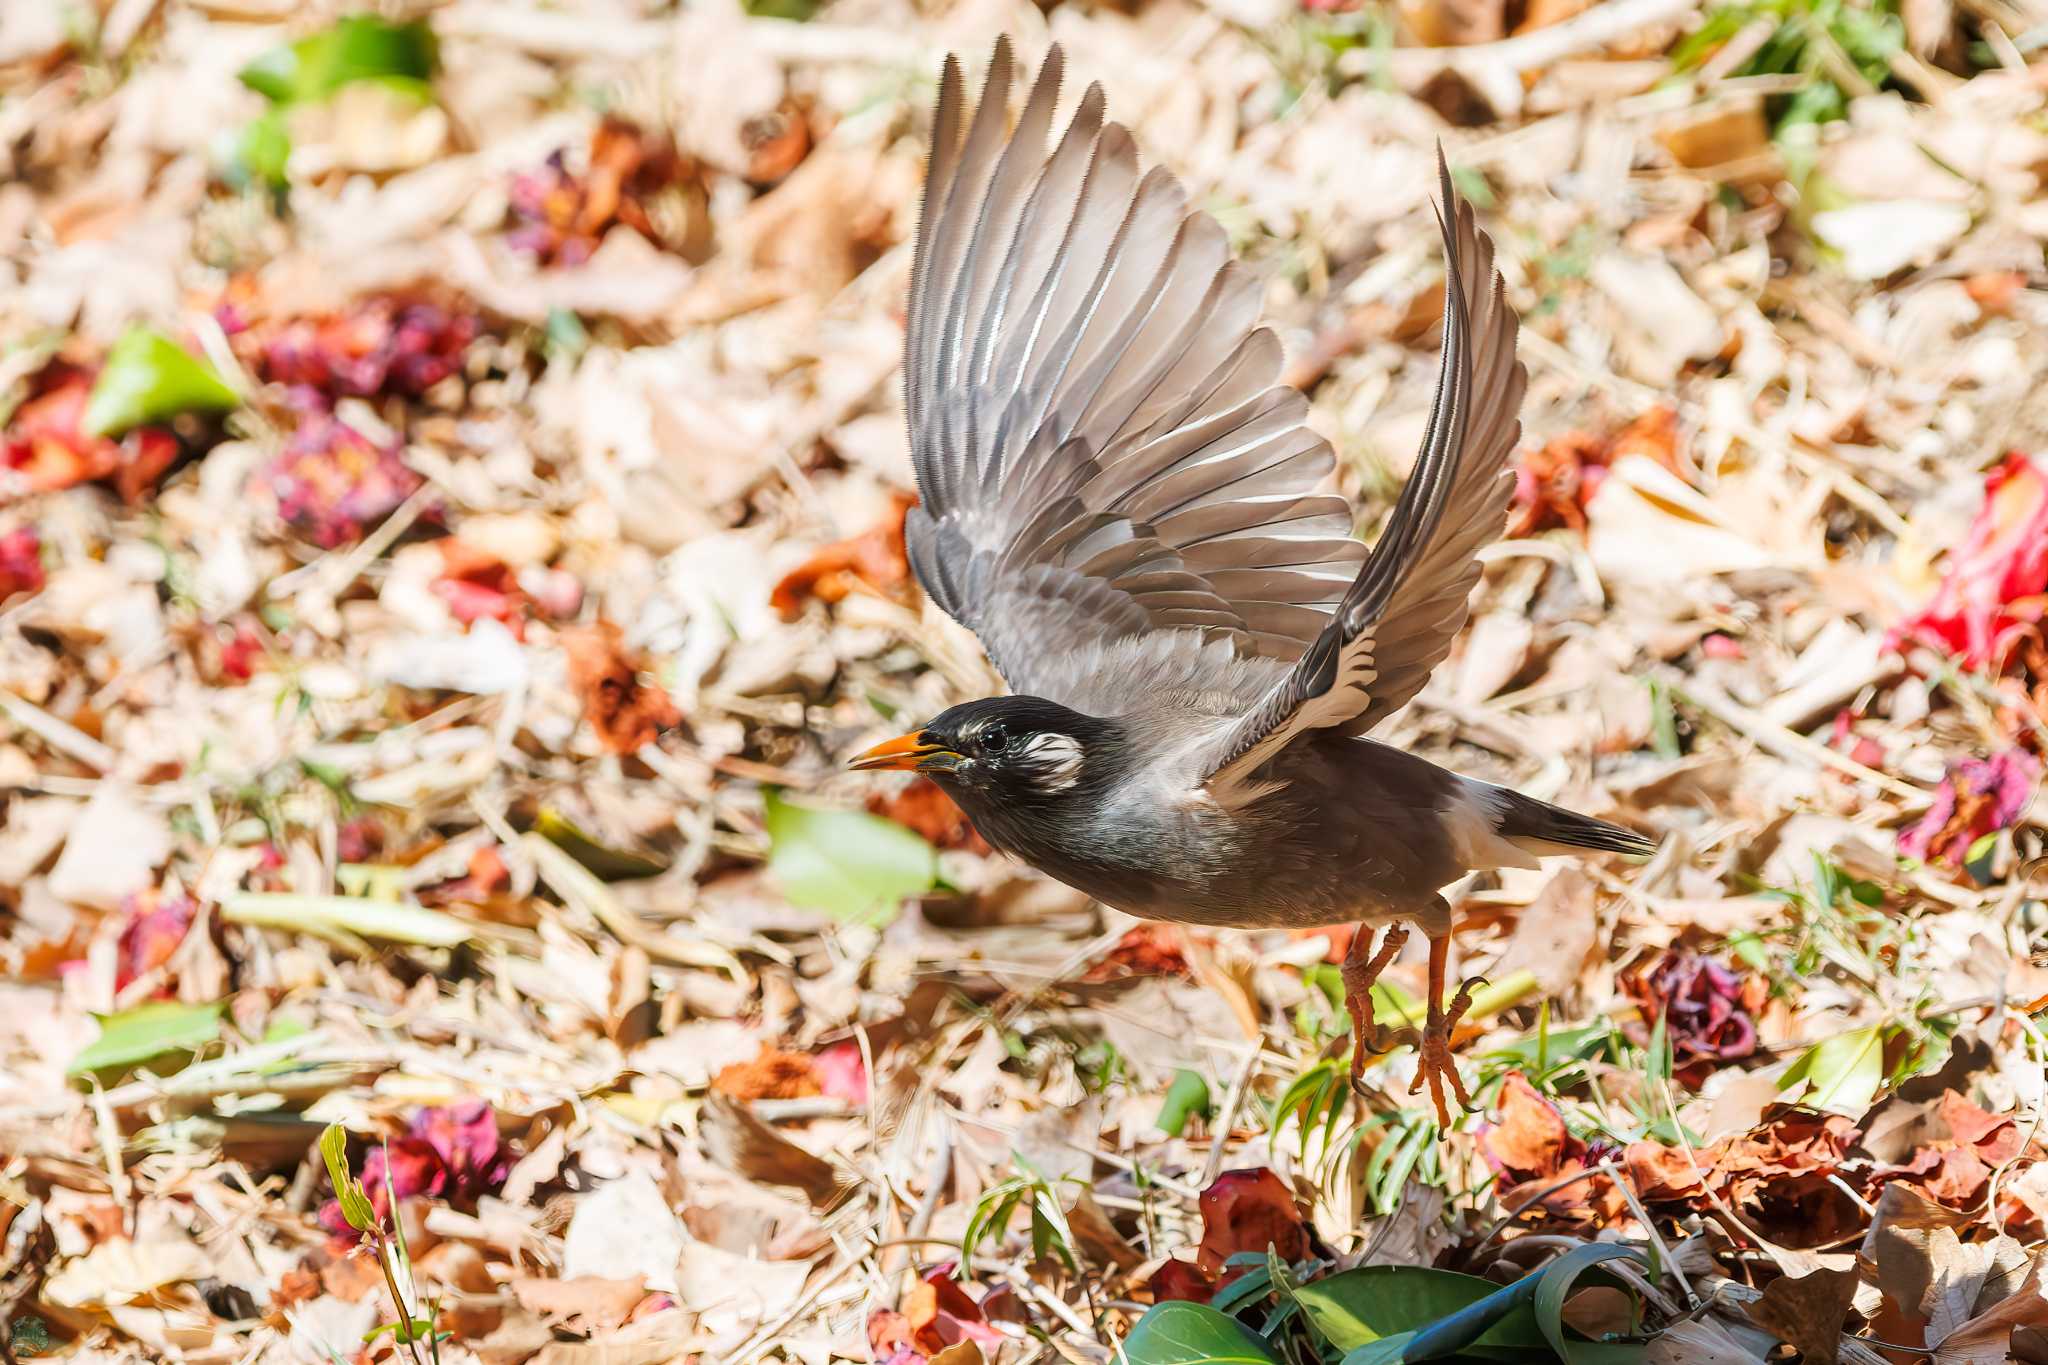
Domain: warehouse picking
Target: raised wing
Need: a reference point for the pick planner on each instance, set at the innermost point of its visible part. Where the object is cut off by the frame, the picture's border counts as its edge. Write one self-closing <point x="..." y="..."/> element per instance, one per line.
<point x="1399" y="618"/>
<point x="1101" y="449"/>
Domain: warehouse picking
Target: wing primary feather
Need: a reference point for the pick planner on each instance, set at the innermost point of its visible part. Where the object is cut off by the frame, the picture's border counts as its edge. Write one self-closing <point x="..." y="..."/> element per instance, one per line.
<point x="1410" y="598"/>
<point x="938" y="180"/>
<point x="1073" y="158"/>
<point x="1112" y="485"/>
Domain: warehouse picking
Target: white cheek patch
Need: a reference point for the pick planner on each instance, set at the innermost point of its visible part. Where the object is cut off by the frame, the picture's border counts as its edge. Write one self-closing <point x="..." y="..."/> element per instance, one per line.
<point x="1053" y="762"/>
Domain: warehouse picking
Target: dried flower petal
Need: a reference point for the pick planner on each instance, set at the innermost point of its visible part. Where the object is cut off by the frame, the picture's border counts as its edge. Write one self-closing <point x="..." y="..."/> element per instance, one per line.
<point x="1993" y="591"/>
<point x="333" y="483"/>
<point x="1554" y="483"/>
<point x="560" y="216"/>
<point x="21" y="562"/>
<point x="843" y="1072"/>
<point x="1979" y="796"/>
<point x="384" y="345"/>
<point x="465" y="1139"/>
<point x="47" y="446"/>
<point x="155" y="925"/>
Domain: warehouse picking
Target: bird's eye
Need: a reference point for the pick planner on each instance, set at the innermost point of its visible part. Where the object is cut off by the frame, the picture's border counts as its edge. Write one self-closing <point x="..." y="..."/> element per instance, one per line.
<point x="995" y="737"/>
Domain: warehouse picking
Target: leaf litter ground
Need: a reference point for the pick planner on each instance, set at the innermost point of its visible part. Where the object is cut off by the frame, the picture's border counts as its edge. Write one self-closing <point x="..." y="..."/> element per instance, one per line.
<point x="451" y="490"/>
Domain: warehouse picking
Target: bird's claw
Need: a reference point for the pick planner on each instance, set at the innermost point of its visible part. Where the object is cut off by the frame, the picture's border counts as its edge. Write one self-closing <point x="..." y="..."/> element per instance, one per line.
<point x="1436" y="1065"/>
<point x="1359" y="974"/>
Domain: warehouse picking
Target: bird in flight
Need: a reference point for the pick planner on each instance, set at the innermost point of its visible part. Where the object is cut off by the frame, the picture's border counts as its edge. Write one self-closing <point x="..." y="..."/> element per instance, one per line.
<point x="1126" y="506"/>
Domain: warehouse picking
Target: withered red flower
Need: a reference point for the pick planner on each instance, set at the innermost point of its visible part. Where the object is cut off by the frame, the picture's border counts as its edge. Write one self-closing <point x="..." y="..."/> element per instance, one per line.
<point x="1553" y="484"/>
<point x="476" y="585"/>
<point x="626" y="713"/>
<point x="241" y="651"/>
<point x="875" y="560"/>
<point x="924" y="806"/>
<point x="1147" y="948"/>
<point x="842" y="1072"/>
<point x="48" y="448"/>
<point x="333" y="483"/>
<point x="154" y="925"/>
<point x="21" y="562"/>
<point x="1707" y="1010"/>
<point x="384" y="345"/>
<point x="465" y="1138"/>
<point x="448" y="1151"/>
<point x="560" y="215"/>
<point x="1979" y="796"/>
<point x="1244" y="1210"/>
<point x="1996" y="584"/>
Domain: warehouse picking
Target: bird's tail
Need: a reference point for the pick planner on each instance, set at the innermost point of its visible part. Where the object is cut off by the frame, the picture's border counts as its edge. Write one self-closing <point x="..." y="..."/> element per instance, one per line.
<point x="1540" y="828"/>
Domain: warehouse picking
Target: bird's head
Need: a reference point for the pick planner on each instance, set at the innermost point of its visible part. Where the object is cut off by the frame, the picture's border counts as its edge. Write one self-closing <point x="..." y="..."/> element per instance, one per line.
<point x="1004" y="747"/>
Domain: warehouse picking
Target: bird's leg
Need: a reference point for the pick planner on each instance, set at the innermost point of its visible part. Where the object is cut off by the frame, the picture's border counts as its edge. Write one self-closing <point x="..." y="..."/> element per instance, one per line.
<point x="1360" y="972"/>
<point x="1436" y="1065"/>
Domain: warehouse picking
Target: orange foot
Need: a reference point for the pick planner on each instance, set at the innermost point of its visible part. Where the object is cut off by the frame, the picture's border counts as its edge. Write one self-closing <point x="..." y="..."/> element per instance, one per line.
<point x="1436" y="1065"/>
<point x="1359" y="974"/>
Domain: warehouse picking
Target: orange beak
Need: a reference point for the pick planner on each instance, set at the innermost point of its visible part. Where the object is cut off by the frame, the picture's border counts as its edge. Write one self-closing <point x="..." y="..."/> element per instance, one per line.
<point x="914" y="752"/>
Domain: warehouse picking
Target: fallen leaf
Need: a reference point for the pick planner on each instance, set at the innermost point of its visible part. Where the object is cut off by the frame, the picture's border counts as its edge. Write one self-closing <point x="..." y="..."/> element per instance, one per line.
<point x="1988" y="1338"/>
<point x="849" y="864"/>
<point x="624" y="1230"/>
<point x="148" y="378"/>
<point x="113" y="849"/>
<point x="875" y="559"/>
<point x="739" y="1141"/>
<point x="626" y="712"/>
<point x="122" y="1271"/>
<point x="1808" y="1312"/>
<point x="586" y="1304"/>
<point x="1880" y="239"/>
<point x="1529" y="1144"/>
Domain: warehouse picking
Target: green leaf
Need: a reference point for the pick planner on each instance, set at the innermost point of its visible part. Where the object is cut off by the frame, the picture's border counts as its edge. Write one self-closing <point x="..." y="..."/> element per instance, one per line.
<point x="149" y="1031"/>
<point x="346" y="918"/>
<point x="150" y="378"/>
<point x="611" y="864"/>
<point x="1180" y="1333"/>
<point x="358" y="47"/>
<point x="1554" y="1286"/>
<point x="1843" y="1072"/>
<point x="1187" y="1096"/>
<point x="356" y="1209"/>
<point x="848" y="864"/>
<point x="1359" y="1306"/>
<point x="1386" y="1351"/>
<point x="257" y="153"/>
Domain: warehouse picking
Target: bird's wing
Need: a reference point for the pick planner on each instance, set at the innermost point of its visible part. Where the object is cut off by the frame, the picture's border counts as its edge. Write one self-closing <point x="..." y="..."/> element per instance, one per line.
<point x="1102" y="452"/>
<point x="1397" y="621"/>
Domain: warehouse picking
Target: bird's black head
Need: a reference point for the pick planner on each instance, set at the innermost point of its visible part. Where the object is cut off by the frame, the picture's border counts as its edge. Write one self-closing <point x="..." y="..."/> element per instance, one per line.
<point x="1006" y="748"/>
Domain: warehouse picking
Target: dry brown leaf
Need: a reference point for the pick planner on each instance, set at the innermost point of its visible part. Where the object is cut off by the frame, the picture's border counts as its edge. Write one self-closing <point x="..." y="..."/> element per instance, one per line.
<point x="742" y="1143"/>
<point x="627" y="711"/>
<point x="586" y="1304"/>
<point x="1554" y="933"/>
<point x="1807" y="1311"/>
<point x="875" y="559"/>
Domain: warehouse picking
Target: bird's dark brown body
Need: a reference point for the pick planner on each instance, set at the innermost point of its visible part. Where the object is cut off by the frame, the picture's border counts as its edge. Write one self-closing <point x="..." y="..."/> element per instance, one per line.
<point x="1166" y="852"/>
<point x="1125" y="505"/>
